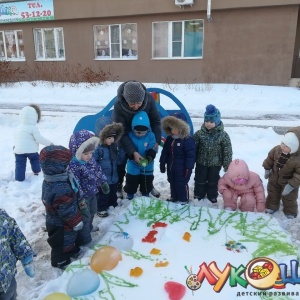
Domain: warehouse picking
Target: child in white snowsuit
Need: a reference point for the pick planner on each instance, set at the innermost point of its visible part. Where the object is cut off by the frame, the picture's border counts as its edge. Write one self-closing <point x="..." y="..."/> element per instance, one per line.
<point x="26" y="141"/>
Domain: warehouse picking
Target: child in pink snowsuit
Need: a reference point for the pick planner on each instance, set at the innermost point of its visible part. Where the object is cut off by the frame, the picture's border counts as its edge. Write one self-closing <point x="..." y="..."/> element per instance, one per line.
<point x="240" y="182"/>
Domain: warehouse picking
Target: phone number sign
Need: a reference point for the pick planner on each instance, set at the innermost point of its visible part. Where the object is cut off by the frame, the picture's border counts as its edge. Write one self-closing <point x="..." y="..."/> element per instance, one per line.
<point x="26" y="11"/>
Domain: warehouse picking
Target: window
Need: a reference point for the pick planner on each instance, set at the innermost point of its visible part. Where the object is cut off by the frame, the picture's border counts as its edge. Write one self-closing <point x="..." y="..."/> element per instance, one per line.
<point x="49" y="44"/>
<point x="12" y="45"/>
<point x="177" y="39"/>
<point x="115" y="41"/>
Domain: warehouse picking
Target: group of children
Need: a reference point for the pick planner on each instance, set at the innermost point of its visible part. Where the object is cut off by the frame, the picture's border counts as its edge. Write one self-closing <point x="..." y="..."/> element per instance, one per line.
<point x="210" y="149"/>
<point x="82" y="180"/>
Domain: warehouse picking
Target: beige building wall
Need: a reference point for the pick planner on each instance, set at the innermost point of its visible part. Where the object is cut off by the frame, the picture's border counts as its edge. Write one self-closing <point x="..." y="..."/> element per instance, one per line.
<point x="254" y="44"/>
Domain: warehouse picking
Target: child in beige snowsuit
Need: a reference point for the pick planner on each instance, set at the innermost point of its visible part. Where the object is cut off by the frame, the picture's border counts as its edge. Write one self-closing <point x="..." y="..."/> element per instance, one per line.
<point x="240" y="182"/>
<point x="282" y="169"/>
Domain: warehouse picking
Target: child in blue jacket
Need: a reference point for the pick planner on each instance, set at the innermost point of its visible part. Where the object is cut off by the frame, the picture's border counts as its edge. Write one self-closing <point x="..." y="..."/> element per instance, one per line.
<point x="108" y="155"/>
<point x="13" y="247"/>
<point x="141" y="174"/>
<point x="179" y="154"/>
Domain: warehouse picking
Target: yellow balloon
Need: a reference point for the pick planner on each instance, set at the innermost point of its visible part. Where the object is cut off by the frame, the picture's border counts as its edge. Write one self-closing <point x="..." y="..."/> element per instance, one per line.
<point x="106" y="258"/>
<point x="57" y="296"/>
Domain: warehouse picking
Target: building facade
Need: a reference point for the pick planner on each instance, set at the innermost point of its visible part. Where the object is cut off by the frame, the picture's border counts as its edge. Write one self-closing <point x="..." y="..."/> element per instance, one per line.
<point x="171" y="41"/>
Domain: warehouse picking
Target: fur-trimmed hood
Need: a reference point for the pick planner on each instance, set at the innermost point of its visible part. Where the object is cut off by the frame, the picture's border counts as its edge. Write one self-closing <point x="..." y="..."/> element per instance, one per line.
<point x="176" y="123"/>
<point x="117" y="128"/>
<point x="80" y="141"/>
<point x="30" y="114"/>
<point x="104" y="126"/>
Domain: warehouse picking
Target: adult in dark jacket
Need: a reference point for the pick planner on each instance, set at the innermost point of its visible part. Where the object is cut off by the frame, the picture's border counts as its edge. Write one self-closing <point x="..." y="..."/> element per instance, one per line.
<point x="132" y="97"/>
<point x="179" y="154"/>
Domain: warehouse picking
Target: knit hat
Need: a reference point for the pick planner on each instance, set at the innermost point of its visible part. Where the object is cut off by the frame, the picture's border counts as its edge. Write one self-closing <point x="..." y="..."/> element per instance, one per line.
<point x="101" y="123"/>
<point x="55" y="159"/>
<point x="134" y="92"/>
<point x="291" y="140"/>
<point x="111" y="133"/>
<point x="180" y="116"/>
<point x="212" y="114"/>
<point x="105" y="128"/>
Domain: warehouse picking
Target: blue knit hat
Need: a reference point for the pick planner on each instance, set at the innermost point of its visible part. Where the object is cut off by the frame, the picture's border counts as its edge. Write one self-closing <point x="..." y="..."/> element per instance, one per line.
<point x="101" y="123"/>
<point x="212" y="114"/>
<point x="180" y="116"/>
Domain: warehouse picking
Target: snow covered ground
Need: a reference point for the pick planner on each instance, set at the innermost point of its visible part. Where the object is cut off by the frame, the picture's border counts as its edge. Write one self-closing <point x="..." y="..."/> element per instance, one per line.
<point x="250" y="115"/>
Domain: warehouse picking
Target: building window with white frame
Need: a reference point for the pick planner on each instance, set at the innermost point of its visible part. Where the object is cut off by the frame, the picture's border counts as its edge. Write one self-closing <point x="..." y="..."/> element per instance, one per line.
<point x="177" y="39"/>
<point x="12" y="45"/>
<point x="49" y="43"/>
<point x="115" y="41"/>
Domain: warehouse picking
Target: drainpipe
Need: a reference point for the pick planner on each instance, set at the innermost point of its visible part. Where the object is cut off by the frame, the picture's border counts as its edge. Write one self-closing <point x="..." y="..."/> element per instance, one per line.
<point x="209" y="17"/>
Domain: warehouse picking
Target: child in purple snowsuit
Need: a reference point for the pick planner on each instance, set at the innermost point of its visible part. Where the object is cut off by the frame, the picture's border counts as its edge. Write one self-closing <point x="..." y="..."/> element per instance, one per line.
<point x="90" y="178"/>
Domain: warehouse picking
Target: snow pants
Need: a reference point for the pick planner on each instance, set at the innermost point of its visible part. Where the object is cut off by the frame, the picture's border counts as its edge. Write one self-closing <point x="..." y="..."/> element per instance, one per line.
<point x="84" y="234"/>
<point x="21" y="161"/>
<point x="62" y="245"/>
<point x="290" y="205"/>
<point x="179" y="186"/>
<point x="11" y="293"/>
<point x="206" y="182"/>
<point x="247" y="200"/>
<point x="105" y="201"/>
<point x="145" y="182"/>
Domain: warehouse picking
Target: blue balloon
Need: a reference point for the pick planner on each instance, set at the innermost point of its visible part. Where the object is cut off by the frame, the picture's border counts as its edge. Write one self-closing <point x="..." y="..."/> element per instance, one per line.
<point x="83" y="283"/>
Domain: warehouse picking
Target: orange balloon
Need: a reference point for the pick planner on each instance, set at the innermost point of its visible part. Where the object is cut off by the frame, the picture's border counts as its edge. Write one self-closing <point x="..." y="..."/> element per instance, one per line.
<point x="106" y="258"/>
